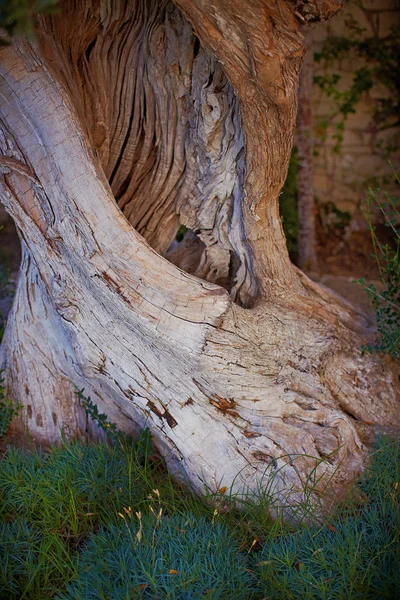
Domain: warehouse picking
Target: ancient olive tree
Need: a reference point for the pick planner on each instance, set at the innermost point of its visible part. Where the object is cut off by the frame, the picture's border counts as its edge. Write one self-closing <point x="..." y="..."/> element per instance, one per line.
<point x="123" y="121"/>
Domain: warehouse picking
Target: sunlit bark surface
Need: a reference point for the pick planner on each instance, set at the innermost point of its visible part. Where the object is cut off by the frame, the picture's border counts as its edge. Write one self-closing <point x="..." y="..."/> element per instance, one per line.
<point x="125" y="121"/>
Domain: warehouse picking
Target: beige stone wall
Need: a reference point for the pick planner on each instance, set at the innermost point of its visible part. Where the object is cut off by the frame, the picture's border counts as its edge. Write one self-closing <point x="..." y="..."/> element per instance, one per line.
<point x="363" y="159"/>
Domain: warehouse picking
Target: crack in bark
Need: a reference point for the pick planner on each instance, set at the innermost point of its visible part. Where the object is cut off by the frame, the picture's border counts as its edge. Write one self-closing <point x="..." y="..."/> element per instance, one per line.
<point x="162" y="415"/>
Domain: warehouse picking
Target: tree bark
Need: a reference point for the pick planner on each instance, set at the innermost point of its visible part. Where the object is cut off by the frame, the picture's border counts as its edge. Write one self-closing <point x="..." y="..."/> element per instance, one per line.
<point x="307" y="237"/>
<point x="125" y="120"/>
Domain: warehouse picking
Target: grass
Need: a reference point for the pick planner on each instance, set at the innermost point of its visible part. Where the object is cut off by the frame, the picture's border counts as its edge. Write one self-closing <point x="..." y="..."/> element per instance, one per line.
<point x="105" y="522"/>
<point x="355" y="556"/>
<point x="387" y="302"/>
<point x="182" y="556"/>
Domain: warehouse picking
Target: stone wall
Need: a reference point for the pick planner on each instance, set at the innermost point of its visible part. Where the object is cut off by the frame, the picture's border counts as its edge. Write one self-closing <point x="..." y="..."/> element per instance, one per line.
<point x="342" y="176"/>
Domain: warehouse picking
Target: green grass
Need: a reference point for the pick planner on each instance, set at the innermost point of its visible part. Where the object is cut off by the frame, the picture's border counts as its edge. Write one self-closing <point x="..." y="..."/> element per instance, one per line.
<point x="355" y="556"/>
<point x="177" y="557"/>
<point x="103" y="522"/>
<point x="386" y="302"/>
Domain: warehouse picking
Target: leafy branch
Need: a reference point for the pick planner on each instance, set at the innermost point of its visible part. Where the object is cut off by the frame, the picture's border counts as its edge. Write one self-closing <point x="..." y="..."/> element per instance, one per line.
<point x="386" y="303"/>
<point x="7" y="410"/>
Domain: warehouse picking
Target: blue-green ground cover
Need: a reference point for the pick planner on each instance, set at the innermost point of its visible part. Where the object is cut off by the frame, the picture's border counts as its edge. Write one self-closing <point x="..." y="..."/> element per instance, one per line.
<point x="105" y="522"/>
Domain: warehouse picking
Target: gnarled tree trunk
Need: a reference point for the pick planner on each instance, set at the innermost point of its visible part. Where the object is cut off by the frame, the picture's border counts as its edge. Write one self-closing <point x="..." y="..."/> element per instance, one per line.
<point x="124" y="121"/>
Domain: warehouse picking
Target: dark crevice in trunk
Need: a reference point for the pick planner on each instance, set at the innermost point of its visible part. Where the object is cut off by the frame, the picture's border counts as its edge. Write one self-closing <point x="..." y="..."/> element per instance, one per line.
<point x="119" y="159"/>
<point x="89" y="49"/>
<point x="196" y="47"/>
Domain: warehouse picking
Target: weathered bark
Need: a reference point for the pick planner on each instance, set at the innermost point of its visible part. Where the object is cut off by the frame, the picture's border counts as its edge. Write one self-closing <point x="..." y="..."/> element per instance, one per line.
<point x="120" y="124"/>
<point x="307" y="237"/>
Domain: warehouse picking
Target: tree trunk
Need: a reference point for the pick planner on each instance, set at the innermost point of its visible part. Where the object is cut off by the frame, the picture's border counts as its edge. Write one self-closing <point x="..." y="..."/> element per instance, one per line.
<point x="126" y="120"/>
<point x="307" y="238"/>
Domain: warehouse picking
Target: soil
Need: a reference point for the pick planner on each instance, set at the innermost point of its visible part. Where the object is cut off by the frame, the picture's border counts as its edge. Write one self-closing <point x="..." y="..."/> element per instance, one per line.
<point x="10" y="247"/>
<point x="346" y="256"/>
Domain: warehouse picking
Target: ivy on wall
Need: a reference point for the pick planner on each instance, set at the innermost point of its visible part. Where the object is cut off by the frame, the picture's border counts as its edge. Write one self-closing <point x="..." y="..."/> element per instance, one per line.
<point x="17" y="16"/>
<point x="379" y="60"/>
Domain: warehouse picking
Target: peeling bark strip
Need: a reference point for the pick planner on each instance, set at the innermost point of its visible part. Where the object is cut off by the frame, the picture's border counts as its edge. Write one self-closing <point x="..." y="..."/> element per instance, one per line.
<point x="123" y="107"/>
<point x="162" y="415"/>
